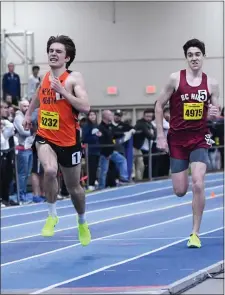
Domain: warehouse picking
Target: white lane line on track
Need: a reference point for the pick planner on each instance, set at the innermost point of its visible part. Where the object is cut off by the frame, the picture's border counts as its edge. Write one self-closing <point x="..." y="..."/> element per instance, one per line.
<point x="94" y="202"/>
<point x="107" y="208"/>
<point x="104" y="200"/>
<point x="101" y="238"/>
<point x="109" y="219"/>
<point x="87" y="195"/>
<point x="117" y="264"/>
<point x="65" y="240"/>
<point x="209" y="175"/>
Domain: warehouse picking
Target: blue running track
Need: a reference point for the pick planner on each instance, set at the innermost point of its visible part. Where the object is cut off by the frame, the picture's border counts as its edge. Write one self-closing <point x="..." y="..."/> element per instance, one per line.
<point x="139" y="237"/>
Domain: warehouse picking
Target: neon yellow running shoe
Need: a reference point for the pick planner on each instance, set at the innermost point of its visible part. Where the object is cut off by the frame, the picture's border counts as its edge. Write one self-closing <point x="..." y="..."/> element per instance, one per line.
<point x="48" y="229"/>
<point x="84" y="234"/>
<point x="194" y="241"/>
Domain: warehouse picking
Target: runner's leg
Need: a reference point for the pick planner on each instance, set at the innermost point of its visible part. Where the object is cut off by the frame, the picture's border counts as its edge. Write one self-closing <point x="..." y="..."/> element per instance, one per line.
<point x="71" y="177"/>
<point x="48" y="160"/>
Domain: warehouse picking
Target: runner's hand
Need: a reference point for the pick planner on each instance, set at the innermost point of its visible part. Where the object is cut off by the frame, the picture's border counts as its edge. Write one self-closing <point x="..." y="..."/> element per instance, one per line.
<point x="213" y="111"/>
<point x="57" y="86"/>
<point x="162" y="144"/>
<point x="27" y="122"/>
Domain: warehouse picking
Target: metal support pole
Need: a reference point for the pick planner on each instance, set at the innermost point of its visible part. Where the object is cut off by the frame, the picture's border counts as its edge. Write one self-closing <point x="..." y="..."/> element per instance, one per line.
<point x="134" y="116"/>
<point x="32" y="48"/>
<point x="14" y="13"/>
<point x="25" y="64"/>
<point x="3" y="59"/>
<point x="150" y="162"/>
<point x="86" y="162"/>
<point x="3" y="45"/>
<point x="16" y="175"/>
<point x="114" y="12"/>
<point x="15" y="48"/>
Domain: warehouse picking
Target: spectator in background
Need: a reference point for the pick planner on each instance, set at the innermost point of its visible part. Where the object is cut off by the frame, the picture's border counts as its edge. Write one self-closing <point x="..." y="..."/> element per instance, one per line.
<point x="222" y="139"/>
<point x="216" y="155"/>
<point x="37" y="173"/>
<point x="166" y="120"/>
<point x="33" y="82"/>
<point x="8" y="100"/>
<point x="11" y="114"/>
<point x="108" y="153"/>
<point x="25" y="155"/>
<point x="6" y="132"/>
<point x="11" y="85"/>
<point x="90" y="135"/>
<point x="161" y="162"/>
<point x="11" y="107"/>
<point x="120" y="129"/>
<point x="145" y="133"/>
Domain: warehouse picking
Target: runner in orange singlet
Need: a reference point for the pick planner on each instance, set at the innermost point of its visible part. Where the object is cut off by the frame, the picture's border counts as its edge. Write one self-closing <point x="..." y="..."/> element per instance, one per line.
<point x="60" y="97"/>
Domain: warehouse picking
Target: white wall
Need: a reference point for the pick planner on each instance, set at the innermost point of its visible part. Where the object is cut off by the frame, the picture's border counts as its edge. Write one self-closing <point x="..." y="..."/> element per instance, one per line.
<point x="142" y="47"/>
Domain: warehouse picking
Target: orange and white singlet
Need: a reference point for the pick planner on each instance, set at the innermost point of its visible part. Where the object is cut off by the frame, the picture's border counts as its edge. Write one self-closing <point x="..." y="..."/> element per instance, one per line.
<point x="57" y="119"/>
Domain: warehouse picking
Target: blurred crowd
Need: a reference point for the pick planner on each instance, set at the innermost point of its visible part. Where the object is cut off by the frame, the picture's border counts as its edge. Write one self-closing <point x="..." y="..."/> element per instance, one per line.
<point x="115" y="151"/>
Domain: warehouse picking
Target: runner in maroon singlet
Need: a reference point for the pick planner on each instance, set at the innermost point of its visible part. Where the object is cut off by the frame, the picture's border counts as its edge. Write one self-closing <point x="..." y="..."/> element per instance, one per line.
<point x="193" y="98"/>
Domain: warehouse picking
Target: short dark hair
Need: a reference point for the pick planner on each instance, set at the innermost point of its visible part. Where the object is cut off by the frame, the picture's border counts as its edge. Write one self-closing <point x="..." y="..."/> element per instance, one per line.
<point x="166" y="109"/>
<point x="91" y="111"/>
<point x="69" y="46"/>
<point x="35" y="68"/>
<point x="194" y="43"/>
<point x="147" y="111"/>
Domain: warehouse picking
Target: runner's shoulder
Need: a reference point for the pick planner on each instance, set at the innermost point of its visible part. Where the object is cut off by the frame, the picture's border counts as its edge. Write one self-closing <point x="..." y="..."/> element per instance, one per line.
<point x="75" y="77"/>
<point x="174" y="79"/>
<point x="213" y="84"/>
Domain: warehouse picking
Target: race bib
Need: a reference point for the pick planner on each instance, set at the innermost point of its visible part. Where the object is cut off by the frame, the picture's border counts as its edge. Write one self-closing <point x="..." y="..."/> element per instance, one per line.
<point x="193" y="111"/>
<point x="49" y="120"/>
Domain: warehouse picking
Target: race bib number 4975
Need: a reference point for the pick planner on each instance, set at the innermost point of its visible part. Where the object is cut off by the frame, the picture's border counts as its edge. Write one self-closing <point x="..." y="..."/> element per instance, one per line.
<point x="49" y="120"/>
<point x="193" y="111"/>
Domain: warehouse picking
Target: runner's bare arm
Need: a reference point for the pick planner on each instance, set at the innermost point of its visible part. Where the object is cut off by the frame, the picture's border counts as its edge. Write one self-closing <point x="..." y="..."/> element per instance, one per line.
<point x="80" y="102"/>
<point x="215" y="92"/>
<point x="34" y="104"/>
<point x="162" y="101"/>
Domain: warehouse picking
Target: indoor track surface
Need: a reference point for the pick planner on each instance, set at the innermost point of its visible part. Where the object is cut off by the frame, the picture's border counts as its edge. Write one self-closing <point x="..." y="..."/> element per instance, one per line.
<point x="139" y="237"/>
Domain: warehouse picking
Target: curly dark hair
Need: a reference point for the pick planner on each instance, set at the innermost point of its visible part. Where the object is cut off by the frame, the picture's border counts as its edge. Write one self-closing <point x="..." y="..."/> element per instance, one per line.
<point x="69" y="46"/>
<point x="194" y="43"/>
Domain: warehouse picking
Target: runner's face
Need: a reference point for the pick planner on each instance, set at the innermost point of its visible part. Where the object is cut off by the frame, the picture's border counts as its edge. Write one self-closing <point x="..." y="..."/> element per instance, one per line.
<point x="194" y="58"/>
<point x="57" y="55"/>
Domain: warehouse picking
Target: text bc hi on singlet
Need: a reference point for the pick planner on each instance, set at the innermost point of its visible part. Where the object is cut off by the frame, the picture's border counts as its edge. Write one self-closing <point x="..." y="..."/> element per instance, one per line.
<point x="189" y="106"/>
<point x="57" y="119"/>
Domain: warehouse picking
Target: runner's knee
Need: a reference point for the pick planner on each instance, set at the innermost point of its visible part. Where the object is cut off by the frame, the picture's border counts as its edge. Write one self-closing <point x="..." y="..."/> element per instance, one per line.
<point x="75" y="190"/>
<point x="50" y="172"/>
<point x="180" y="191"/>
<point x="197" y="184"/>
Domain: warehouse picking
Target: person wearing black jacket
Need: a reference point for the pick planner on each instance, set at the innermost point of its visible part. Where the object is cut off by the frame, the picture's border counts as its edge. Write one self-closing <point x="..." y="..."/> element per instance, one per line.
<point x="145" y="133"/>
<point x="119" y="129"/>
<point x="109" y="152"/>
<point x="91" y="137"/>
<point x="6" y="168"/>
<point x="11" y="85"/>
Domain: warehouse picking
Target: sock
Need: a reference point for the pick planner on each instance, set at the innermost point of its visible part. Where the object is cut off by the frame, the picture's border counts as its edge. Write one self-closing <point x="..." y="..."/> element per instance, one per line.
<point x="52" y="209"/>
<point x="81" y="218"/>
